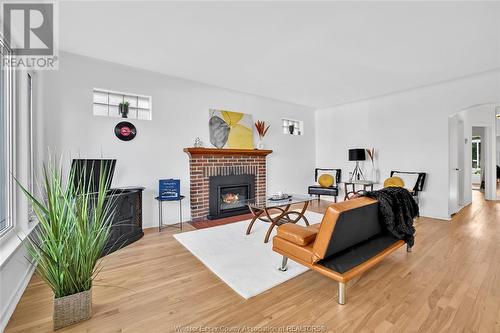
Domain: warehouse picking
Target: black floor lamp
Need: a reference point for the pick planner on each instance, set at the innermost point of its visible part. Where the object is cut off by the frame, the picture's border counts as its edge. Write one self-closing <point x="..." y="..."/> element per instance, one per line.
<point x="357" y="155"/>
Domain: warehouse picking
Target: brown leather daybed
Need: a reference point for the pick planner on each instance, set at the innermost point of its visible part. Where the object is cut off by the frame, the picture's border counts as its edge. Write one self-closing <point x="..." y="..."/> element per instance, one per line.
<point x="349" y="240"/>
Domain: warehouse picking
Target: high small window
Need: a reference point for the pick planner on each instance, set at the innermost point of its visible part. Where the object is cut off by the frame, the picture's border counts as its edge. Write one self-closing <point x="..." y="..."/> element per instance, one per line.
<point x="106" y="103"/>
<point x="292" y="127"/>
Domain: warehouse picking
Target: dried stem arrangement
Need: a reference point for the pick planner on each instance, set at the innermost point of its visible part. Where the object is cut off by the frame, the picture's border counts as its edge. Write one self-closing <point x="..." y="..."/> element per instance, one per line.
<point x="261" y="128"/>
<point x="371" y="154"/>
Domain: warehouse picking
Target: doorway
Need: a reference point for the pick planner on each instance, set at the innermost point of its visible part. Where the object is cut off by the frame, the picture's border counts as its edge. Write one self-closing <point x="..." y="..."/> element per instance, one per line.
<point x="473" y="136"/>
<point x="497" y="135"/>
<point x="477" y="157"/>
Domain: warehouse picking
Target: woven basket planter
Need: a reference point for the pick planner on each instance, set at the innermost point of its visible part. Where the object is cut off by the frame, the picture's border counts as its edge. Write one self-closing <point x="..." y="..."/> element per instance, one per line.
<point x="72" y="309"/>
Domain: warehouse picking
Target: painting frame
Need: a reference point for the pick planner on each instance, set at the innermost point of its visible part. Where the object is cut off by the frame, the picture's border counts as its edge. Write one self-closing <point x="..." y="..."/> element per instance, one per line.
<point x="230" y="129"/>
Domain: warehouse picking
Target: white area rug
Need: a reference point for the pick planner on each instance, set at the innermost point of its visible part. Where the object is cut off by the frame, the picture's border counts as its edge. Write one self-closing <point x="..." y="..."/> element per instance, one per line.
<point x="243" y="262"/>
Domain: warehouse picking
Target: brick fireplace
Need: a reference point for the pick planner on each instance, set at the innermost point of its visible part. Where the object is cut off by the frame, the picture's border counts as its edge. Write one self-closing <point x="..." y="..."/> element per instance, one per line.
<point x="209" y="164"/>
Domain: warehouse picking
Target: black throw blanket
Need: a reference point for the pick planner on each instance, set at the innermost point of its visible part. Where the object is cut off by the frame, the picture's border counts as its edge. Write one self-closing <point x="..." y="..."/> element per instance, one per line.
<point x="397" y="209"/>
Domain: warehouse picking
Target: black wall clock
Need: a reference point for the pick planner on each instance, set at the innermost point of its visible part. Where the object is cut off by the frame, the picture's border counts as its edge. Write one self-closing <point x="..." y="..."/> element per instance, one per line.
<point x="125" y="131"/>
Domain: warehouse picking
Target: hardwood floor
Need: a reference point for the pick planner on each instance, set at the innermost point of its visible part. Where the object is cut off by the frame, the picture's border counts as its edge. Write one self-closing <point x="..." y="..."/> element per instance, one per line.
<point x="450" y="282"/>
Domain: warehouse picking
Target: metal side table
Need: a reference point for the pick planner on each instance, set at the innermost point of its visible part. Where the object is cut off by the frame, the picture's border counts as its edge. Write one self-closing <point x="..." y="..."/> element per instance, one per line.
<point x="366" y="184"/>
<point x="162" y="226"/>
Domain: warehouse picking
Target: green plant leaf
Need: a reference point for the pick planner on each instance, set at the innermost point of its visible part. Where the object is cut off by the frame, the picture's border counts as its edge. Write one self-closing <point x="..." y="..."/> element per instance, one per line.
<point x="73" y="228"/>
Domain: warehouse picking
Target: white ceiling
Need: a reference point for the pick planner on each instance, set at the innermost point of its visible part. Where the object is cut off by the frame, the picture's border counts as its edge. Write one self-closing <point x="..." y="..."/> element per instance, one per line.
<point x="316" y="54"/>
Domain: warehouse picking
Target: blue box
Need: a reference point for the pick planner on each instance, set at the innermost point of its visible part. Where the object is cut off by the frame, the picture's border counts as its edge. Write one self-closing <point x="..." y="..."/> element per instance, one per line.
<point x="169" y="189"/>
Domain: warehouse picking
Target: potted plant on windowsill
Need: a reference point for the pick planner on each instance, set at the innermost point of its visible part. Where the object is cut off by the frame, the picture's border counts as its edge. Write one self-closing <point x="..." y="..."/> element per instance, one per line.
<point x="68" y="242"/>
<point x="123" y="109"/>
<point x="262" y="130"/>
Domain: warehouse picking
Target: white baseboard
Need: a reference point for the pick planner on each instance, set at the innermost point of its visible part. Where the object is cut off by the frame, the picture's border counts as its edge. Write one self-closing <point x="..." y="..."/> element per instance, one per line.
<point x="443" y="218"/>
<point x="15" y="298"/>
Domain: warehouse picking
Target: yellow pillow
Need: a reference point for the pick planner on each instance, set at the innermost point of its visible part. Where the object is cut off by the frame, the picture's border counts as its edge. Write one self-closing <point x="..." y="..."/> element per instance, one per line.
<point x="394" y="182"/>
<point x="325" y="180"/>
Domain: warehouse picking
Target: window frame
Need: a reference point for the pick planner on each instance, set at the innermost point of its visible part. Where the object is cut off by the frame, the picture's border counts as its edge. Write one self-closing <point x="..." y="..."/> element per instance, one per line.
<point x="31" y="144"/>
<point x="123" y="96"/>
<point x="9" y="86"/>
<point x="298" y="126"/>
<point x="476" y="141"/>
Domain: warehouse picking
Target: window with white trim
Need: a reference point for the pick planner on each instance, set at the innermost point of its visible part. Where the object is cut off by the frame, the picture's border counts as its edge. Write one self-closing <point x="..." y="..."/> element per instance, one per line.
<point x="107" y="103"/>
<point x="6" y="141"/>
<point x="292" y="127"/>
<point x="476" y="153"/>
<point x="31" y="155"/>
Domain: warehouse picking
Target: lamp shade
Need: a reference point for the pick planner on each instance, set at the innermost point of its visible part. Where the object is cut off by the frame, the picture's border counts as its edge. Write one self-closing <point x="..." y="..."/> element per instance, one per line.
<point x="357" y="155"/>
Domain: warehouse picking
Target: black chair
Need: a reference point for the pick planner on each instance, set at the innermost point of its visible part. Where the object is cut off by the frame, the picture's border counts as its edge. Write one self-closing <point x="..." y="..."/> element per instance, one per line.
<point x="419" y="185"/>
<point x="332" y="190"/>
<point x="498" y="172"/>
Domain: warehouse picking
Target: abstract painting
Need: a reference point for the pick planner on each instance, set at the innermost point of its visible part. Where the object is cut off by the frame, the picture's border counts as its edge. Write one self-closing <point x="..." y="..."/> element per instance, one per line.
<point x="229" y="129"/>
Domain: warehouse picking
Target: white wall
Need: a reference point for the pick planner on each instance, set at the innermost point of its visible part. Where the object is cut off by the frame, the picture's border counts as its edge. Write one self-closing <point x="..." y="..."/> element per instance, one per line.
<point x="15" y="274"/>
<point x="409" y="131"/>
<point x="180" y="114"/>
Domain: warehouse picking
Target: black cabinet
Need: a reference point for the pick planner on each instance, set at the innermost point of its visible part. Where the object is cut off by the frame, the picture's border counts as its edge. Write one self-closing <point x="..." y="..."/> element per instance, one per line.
<point x="126" y="225"/>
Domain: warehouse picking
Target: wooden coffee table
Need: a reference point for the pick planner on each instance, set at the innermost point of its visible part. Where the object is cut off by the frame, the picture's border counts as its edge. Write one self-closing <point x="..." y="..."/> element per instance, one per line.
<point x="264" y="208"/>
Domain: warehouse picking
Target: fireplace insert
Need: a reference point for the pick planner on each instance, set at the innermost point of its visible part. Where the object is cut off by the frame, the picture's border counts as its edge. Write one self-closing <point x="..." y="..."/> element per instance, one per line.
<point x="227" y="195"/>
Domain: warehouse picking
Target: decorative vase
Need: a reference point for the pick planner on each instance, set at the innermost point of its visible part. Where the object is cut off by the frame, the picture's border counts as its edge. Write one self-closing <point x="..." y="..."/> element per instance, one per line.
<point x="260" y="143"/>
<point x="123" y="109"/>
<point x="291" y="129"/>
<point x="71" y="309"/>
<point x="374" y="174"/>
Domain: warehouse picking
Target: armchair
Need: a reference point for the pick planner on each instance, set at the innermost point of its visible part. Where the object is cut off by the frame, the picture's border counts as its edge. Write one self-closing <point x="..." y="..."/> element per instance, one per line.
<point x="417" y="177"/>
<point x="331" y="190"/>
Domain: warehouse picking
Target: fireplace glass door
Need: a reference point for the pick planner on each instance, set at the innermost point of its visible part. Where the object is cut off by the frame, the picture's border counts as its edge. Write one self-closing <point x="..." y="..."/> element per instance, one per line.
<point x="232" y="197"/>
<point x="227" y="195"/>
